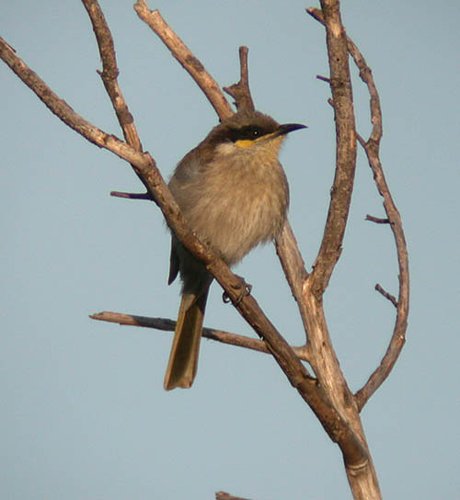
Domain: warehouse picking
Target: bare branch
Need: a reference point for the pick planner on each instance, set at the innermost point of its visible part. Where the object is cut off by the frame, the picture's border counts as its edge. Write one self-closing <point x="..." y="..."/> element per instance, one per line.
<point x="291" y="261"/>
<point x="240" y="91"/>
<point x="342" y="188"/>
<point x="294" y="270"/>
<point x="110" y="73"/>
<point x="372" y="150"/>
<point x="365" y="74"/>
<point x="186" y="58"/>
<point x="387" y="295"/>
<point x="209" y="333"/>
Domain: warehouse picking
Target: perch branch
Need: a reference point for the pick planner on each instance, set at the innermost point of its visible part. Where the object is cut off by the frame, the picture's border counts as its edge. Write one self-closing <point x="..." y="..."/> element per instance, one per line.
<point x="168" y="325"/>
<point x="186" y="58"/>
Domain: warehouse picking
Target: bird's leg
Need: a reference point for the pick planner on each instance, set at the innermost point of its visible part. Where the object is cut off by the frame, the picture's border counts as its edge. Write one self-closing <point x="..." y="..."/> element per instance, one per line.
<point x="244" y="290"/>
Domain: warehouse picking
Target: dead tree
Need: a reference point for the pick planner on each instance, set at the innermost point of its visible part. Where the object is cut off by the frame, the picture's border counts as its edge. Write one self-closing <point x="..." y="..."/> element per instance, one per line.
<point x="313" y="368"/>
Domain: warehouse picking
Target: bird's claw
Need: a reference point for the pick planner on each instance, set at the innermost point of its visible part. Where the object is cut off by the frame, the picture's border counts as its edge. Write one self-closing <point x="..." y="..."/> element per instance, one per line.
<point x="245" y="289"/>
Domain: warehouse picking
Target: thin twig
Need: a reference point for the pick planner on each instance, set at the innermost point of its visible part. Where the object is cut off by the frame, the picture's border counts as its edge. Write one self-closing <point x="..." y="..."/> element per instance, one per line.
<point x="379" y="288"/>
<point x="240" y="91"/>
<point x="168" y="325"/>
<point x="323" y="78"/>
<point x="316" y="14"/>
<point x="377" y="220"/>
<point x="222" y="495"/>
<point x="131" y="196"/>
<point x="186" y="58"/>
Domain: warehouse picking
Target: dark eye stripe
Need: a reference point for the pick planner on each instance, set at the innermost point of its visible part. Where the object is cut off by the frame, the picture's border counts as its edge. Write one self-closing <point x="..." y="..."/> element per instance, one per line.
<point x="249" y="132"/>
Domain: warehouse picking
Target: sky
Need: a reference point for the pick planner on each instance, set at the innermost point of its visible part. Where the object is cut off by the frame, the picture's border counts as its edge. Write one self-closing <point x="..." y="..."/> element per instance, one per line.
<point x="84" y="414"/>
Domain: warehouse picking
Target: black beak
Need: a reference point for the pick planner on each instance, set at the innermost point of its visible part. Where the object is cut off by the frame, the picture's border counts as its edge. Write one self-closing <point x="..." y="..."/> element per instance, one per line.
<point x="289" y="127"/>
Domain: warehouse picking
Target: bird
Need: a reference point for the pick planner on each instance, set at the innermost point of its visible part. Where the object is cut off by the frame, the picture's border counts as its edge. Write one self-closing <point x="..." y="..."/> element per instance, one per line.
<point x="234" y="195"/>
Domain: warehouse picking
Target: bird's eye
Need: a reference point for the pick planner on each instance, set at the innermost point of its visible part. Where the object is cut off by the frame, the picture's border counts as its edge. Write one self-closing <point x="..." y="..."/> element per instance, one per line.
<point x="250" y="132"/>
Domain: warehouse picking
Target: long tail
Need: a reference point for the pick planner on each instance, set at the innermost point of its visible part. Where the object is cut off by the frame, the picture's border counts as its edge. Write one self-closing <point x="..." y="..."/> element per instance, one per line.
<point x="183" y="360"/>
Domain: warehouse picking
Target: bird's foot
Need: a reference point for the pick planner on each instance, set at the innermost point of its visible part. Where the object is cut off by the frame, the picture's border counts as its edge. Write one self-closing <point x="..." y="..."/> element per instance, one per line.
<point x="243" y="288"/>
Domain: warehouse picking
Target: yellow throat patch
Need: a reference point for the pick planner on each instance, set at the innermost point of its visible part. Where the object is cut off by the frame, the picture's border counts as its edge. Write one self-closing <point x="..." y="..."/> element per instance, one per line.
<point x="244" y="143"/>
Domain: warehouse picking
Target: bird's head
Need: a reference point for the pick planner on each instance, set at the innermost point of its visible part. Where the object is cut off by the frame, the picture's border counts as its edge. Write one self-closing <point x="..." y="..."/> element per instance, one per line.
<point x="246" y="133"/>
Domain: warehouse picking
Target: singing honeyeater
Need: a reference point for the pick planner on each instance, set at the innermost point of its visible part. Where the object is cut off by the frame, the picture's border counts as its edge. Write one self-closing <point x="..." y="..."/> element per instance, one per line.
<point x="233" y="192"/>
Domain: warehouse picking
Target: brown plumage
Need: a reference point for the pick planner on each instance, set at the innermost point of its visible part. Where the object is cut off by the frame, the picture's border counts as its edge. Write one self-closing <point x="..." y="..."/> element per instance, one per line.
<point x="234" y="194"/>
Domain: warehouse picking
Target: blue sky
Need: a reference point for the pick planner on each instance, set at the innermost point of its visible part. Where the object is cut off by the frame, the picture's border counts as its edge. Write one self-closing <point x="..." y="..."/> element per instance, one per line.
<point x="84" y="414"/>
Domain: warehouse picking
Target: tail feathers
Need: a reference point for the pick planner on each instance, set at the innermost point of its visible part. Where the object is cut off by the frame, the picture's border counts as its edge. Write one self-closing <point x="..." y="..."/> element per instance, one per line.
<point x="183" y="360"/>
